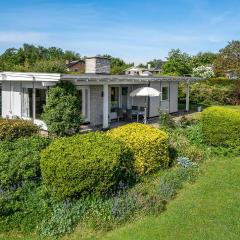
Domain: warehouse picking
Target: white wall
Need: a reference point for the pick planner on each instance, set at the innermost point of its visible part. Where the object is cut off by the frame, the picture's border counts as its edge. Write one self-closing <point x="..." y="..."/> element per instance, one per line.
<point x="170" y="105"/>
<point x="11" y="99"/>
<point x="174" y="97"/>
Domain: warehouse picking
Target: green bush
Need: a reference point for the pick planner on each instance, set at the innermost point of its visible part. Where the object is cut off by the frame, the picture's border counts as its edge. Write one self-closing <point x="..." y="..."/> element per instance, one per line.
<point x="19" y="172"/>
<point x="221" y="126"/>
<point x="85" y="164"/>
<point x="166" y="121"/>
<point x="172" y="181"/>
<point x="186" y="142"/>
<point x="150" y="146"/>
<point x="15" y="128"/>
<point x="61" y="112"/>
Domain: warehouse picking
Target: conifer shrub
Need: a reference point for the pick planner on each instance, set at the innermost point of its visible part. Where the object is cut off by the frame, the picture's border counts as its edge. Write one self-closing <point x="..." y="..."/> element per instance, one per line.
<point x="149" y="144"/>
<point x="87" y="164"/>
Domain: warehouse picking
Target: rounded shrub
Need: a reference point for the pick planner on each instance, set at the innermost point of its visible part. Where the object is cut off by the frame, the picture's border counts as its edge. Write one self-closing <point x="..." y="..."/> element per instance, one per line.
<point x="149" y="144"/>
<point x="87" y="164"/>
<point x="221" y="126"/>
<point x="11" y="129"/>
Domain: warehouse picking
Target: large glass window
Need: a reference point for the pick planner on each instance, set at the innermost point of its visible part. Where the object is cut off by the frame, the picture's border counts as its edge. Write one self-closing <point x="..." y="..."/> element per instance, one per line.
<point x="114" y="99"/>
<point x="165" y="93"/>
<point x="27" y="102"/>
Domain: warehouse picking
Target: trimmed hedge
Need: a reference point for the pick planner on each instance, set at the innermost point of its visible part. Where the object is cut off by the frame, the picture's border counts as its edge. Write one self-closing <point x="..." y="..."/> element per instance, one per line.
<point x="87" y="164"/>
<point x="11" y="129"/>
<point x="221" y="126"/>
<point x="19" y="171"/>
<point x="149" y="144"/>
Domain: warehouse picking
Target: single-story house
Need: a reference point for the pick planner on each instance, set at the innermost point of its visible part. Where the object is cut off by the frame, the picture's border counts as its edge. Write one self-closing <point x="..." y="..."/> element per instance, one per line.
<point x="142" y="71"/>
<point x="101" y="94"/>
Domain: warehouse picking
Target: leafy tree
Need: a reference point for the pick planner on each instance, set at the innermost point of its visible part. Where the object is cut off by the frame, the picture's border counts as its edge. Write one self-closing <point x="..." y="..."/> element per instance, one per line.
<point x="30" y="57"/>
<point x="204" y="59"/>
<point x="61" y="112"/>
<point x="57" y="66"/>
<point x="228" y="59"/>
<point x="178" y="63"/>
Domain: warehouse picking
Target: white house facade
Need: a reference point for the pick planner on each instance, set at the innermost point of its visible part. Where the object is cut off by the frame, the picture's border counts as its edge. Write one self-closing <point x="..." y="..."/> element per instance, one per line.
<point x="101" y="95"/>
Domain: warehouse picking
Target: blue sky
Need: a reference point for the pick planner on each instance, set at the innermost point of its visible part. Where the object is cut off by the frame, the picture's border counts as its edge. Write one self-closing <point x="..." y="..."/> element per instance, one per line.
<point x="135" y="30"/>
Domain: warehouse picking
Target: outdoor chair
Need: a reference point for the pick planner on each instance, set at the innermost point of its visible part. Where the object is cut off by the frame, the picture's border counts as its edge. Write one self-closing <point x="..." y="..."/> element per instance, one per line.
<point x="120" y="114"/>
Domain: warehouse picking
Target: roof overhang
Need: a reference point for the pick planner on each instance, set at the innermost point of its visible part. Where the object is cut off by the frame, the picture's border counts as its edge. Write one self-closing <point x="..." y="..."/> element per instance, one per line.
<point x="29" y="77"/>
<point x="124" y="79"/>
<point x="91" y="79"/>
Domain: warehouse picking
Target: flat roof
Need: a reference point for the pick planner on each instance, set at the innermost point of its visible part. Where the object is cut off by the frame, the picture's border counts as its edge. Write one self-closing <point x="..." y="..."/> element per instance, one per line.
<point x="100" y="77"/>
<point x="91" y="78"/>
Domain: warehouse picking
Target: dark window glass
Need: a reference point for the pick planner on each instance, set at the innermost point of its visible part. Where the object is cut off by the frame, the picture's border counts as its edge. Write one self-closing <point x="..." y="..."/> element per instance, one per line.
<point x="164" y="93"/>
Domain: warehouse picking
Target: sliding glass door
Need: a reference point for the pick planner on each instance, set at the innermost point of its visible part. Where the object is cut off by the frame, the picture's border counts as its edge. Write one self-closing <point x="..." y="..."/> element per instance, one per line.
<point x="27" y="102"/>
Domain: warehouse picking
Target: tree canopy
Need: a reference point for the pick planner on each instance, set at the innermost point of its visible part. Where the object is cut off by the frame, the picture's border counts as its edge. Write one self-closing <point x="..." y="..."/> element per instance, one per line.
<point x="36" y="58"/>
<point x="228" y="59"/>
<point x="178" y="63"/>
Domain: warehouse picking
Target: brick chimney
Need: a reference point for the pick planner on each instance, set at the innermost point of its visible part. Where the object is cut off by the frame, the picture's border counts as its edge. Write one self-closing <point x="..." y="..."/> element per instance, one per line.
<point x="97" y="65"/>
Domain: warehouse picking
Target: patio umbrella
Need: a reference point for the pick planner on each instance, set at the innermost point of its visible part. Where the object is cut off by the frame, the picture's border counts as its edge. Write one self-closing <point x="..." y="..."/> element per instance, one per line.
<point x="145" y="92"/>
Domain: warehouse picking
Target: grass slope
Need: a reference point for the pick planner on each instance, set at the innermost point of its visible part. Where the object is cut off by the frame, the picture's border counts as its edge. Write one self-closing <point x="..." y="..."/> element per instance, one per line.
<point x="209" y="209"/>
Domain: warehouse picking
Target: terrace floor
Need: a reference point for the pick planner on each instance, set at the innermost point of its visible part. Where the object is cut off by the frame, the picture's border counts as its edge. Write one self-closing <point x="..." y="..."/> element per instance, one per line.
<point x="152" y="121"/>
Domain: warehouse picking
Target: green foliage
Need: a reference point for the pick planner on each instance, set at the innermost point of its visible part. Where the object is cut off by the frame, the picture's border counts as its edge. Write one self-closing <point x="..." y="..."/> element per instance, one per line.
<point x="166" y="121"/>
<point x="204" y="59"/>
<point x="172" y="181"/>
<point x="11" y="129"/>
<point x="32" y="58"/>
<point x="221" y="126"/>
<point x="63" y="219"/>
<point x="178" y="63"/>
<point x="184" y="143"/>
<point x="52" y="66"/>
<point x="86" y="164"/>
<point x="19" y="172"/>
<point x="214" y="91"/>
<point x="150" y="146"/>
<point x="61" y="112"/>
<point x="188" y="120"/>
<point x="228" y="59"/>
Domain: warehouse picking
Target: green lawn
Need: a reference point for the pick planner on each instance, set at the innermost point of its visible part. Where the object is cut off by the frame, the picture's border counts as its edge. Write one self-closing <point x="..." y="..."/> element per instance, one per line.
<point x="206" y="210"/>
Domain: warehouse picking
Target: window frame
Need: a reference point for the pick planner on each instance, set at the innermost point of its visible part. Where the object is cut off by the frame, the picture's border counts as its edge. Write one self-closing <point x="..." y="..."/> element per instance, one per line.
<point x="165" y="95"/>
